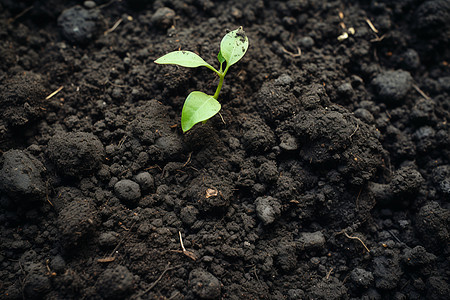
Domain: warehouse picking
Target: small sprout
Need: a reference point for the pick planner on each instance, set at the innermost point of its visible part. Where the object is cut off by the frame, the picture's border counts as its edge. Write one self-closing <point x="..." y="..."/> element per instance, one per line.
<point x="198" y="106"/>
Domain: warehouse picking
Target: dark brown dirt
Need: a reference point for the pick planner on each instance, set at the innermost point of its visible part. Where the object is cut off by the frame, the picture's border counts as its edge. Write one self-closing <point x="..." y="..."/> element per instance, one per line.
<point x="327" y="175"/>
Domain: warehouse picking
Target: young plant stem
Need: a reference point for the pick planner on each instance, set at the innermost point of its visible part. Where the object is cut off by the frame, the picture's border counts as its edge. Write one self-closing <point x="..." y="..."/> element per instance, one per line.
<point x="219" y="87"/>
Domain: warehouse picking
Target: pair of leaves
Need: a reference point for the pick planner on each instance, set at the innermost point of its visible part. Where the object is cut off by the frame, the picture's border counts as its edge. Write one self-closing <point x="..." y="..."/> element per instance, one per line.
<point x="198" y="106"/>
<point x="232" y="48"/>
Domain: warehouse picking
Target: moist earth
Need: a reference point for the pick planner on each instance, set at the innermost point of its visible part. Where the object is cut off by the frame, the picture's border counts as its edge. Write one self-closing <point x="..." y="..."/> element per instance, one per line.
<point x="325" y="176"/>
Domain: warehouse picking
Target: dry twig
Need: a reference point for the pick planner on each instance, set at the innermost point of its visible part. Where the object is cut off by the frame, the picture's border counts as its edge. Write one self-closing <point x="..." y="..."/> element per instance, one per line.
<point x="329" y="273"/>
<point x="111" y="256"/>
<point x="357" y="127"/>
<point x="356" y="238"/>
<point x="421" y="92"/>
<point x="371" y="25"/>
<point x="54" y="93"/>
<point x="114" y="27"/>
<point x="21" y="14"/>
<point x="189" y="254"/>
<point x="188" y="160"/>
<point x="298" y="54"/>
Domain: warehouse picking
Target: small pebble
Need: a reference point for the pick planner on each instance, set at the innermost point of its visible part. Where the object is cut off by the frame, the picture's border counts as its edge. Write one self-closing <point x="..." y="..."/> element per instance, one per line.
<point x="311" y="240"/>
<point x="89" y="4"/>
<point x="392" y="86"/>
<point x="345" y="90"/>
<point x="410" y="59"/>
<point x="364" y="115"/>
<point x="189" y="214"/>
<point x="163" y="17"/>
<point x="78" y="25"/>
<point x="108" y="239"/>
<point x="306" y="42"/>
<point x="127" y="190"/>
<point x="145" y="181"/>
<point x="268" y="209"/>
<point x="21" y="175"/>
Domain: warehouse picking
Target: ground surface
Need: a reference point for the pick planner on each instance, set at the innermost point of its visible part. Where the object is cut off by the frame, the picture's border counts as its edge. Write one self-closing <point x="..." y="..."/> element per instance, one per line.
<point x="327" y="175"/>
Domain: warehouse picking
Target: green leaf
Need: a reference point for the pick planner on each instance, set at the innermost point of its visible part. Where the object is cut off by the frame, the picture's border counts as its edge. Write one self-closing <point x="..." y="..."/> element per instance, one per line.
<point x="233" y="46"/>
<point x="197" y="108"/>
<point x="183" y="58"/>
<point x="220" y="58"/>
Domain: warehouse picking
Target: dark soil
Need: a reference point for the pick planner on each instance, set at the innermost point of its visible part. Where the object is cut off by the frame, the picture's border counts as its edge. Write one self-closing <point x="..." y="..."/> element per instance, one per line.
<point x="327" y="175"/>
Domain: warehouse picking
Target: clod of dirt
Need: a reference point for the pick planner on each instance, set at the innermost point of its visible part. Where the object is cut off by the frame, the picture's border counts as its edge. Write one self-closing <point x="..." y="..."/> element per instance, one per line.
<point x="145" y="181"/>
<point x="58" y="264"/>
<point x="204" y="284"/>
<point x="287" y="259"/>
<point x="78" y="25"/>
<point x="188" y="215"/>
<point x="288" y="142"/>
<point x="168" y="146"/>
<point x="361" y="277"/>
<point x="387" y="271"/>
<point x="424" y="112"/>
<point x="406" y="181"/>
<point x="76" y="153"/>
<point x="331" y="288"/>
<point x="296" y="294"/>
<point x="364" y="115"/>
<point x="309" y="240"/>
<point x="432" y="17"/>
<point x="37" y="282"/>
<point x="268" y="172"/>
<point x="433" y="225"/>
<point x="258" y="137"/>
<point x="438" y="288"/>
<point x="332" y="142"/>
<point x="115" y="283"/>
<point x="410" y="59"/>
<point x="441" y="177"/>
<point x="380" y="192"/>
<point x="20" y="175"/>
<point x="152" y="126"/>
<point x="425" y="138"/>
<point x="64" y="196"/>
<point x="163" y="17"/>
<point x="418" y="256"/>
<point x="275" y="101"/>
<point x="22" y="99"/>
<point x="333" y="136"/>
<point x="76" y="221"/>
<point x="284" y="79"/>
<point x="392" y="86"/>
<point x="444" y="83"/>
<point x="127" y="190"/>
<point x="268" y="209"/>
<point x="108" y="239"/>
<point x="345" y="90"/>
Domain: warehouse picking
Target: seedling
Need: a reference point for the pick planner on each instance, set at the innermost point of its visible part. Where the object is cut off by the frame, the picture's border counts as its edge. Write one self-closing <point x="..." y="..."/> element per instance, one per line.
<point x="198" y="106"/>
